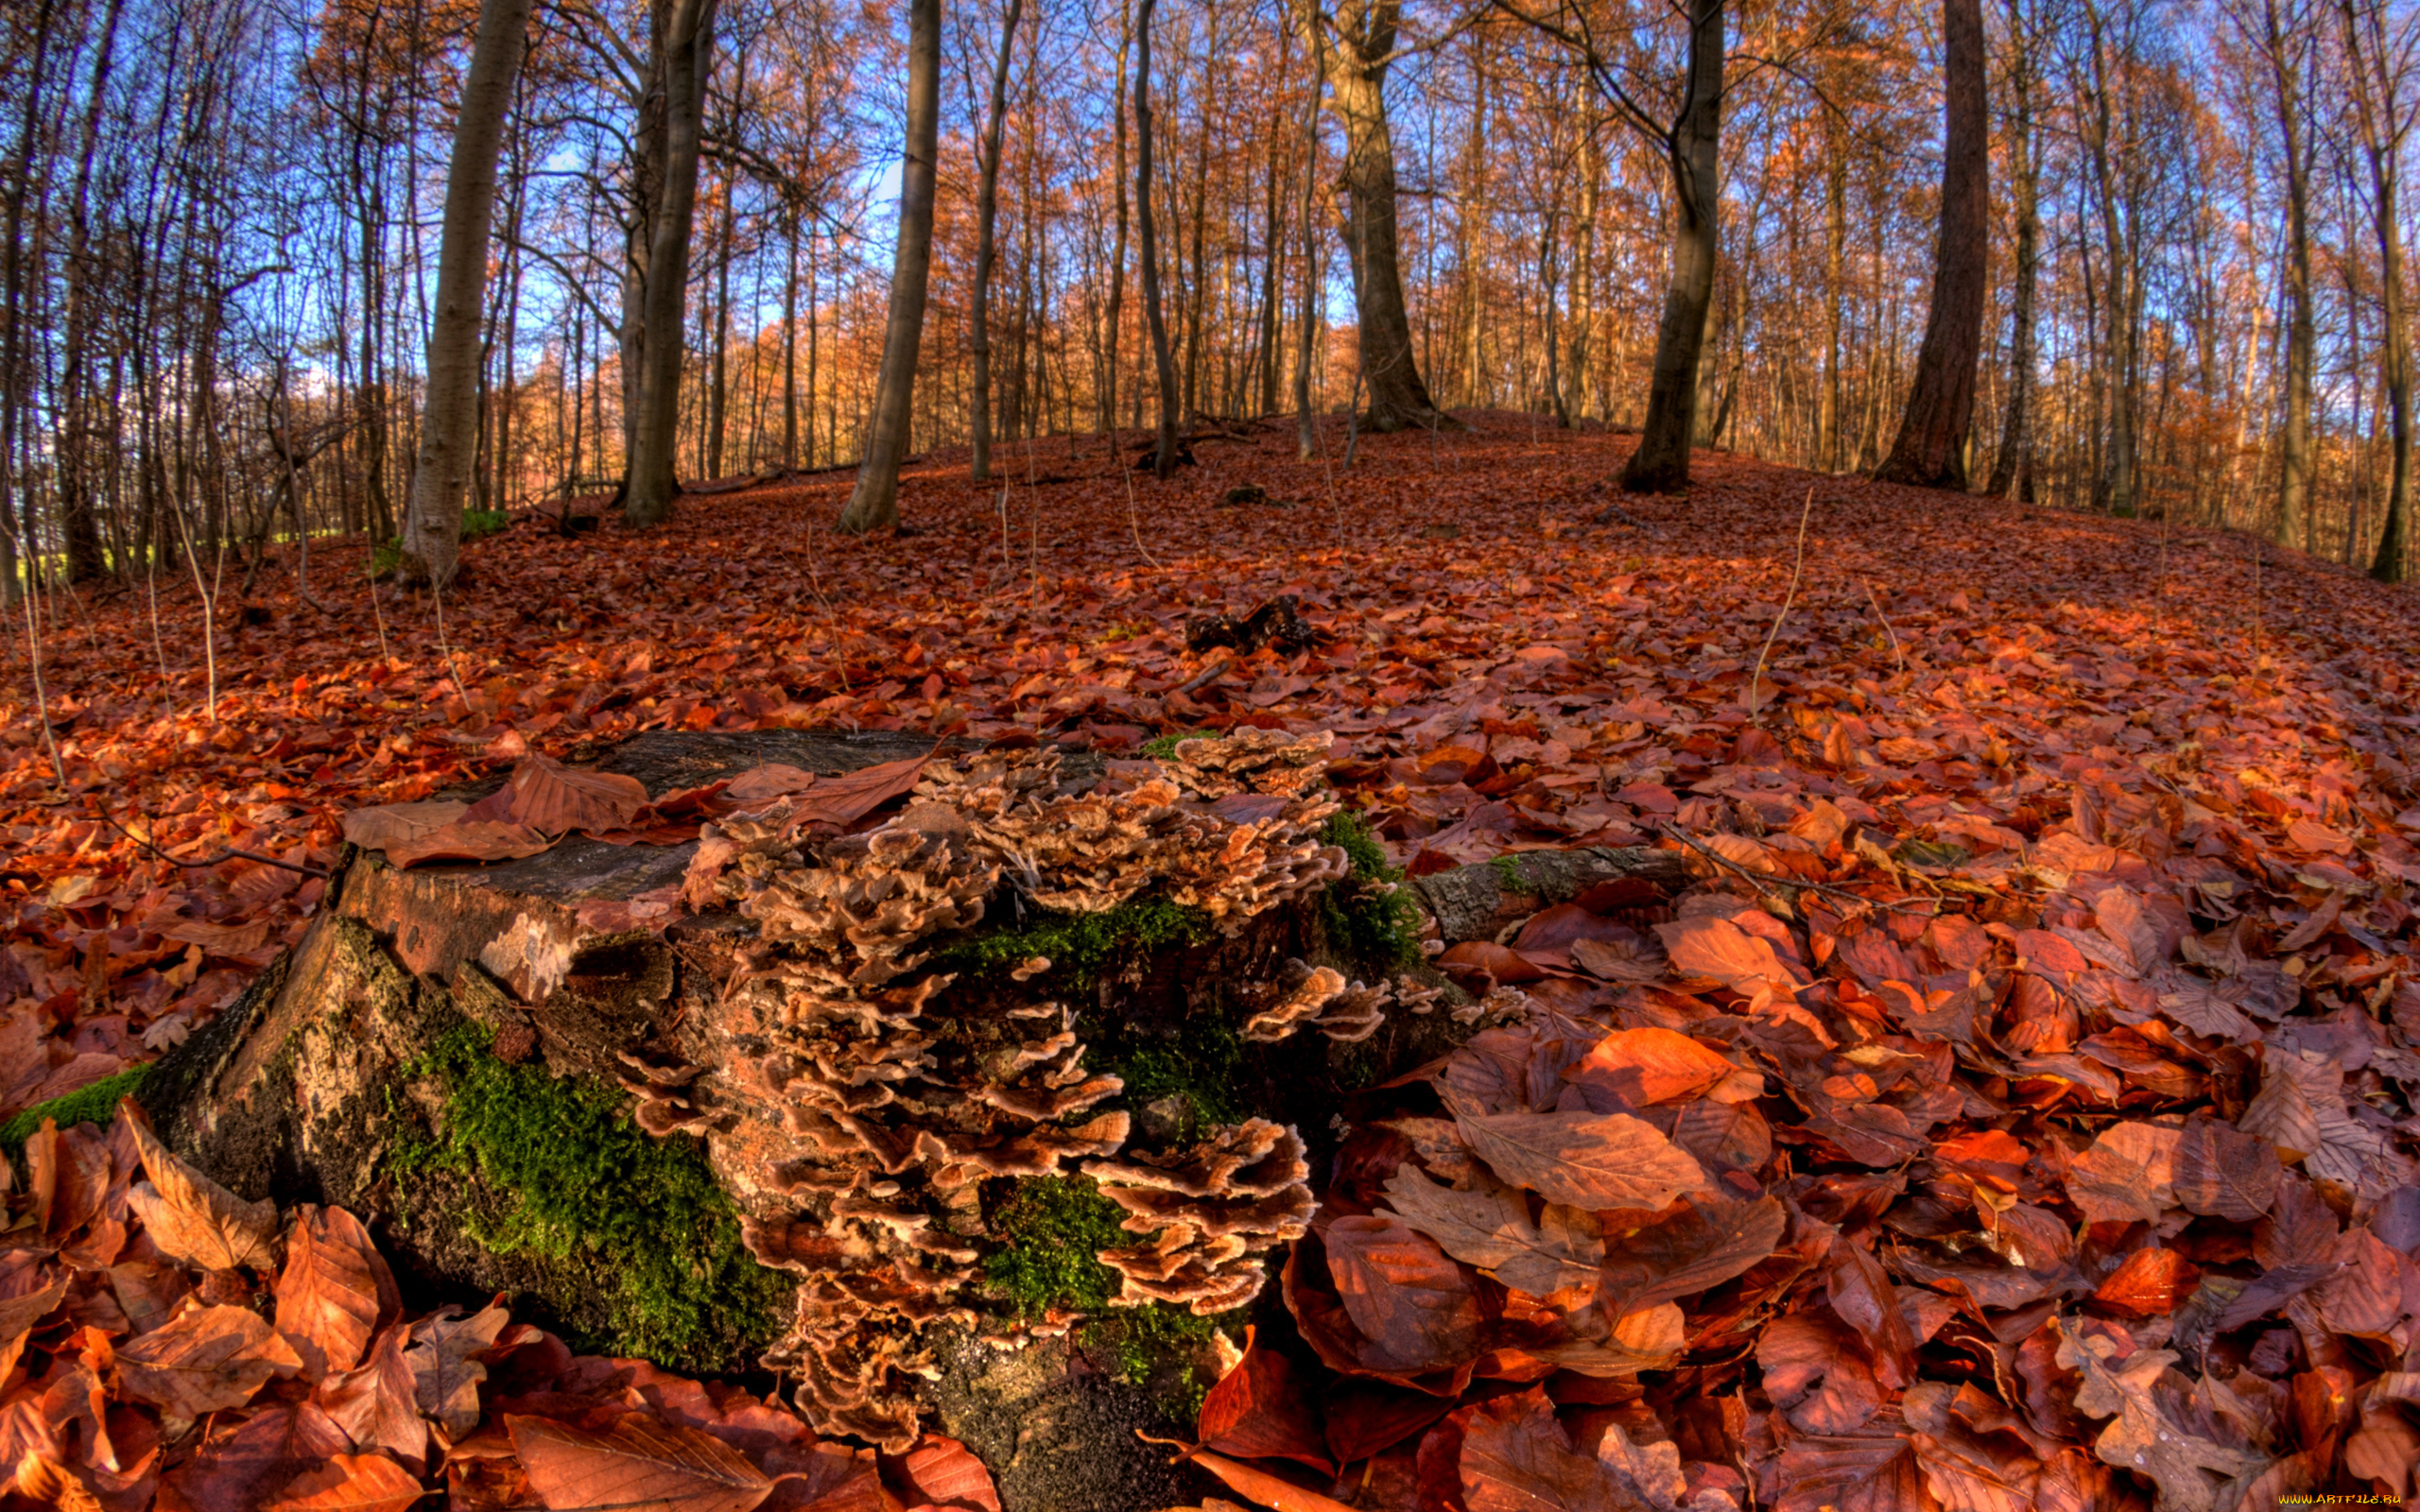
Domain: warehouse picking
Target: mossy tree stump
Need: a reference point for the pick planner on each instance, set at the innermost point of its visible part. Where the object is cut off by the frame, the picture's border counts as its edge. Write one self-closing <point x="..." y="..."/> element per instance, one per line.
<point x="868" y="1107"/>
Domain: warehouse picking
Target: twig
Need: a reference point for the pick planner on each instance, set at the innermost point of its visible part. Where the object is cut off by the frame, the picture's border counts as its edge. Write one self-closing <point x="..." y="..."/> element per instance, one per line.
<point x="1135" y="518"/>
<point x="230" y="853"/>
<point x="1824" y="888"/>
<point x="1799" y="562"/>
<point x="1202" y="678"/>
<point x="1896" y="654"/>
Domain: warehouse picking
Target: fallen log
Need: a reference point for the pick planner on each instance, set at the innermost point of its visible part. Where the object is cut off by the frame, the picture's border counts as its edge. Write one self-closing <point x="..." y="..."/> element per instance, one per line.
<point x="988" y="1115"/>
<point x="1479" y="902"/>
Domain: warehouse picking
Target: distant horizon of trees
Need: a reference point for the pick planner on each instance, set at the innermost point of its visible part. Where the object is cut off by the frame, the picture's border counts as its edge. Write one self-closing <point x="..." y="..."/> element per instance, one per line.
<point x="224" y="221"/>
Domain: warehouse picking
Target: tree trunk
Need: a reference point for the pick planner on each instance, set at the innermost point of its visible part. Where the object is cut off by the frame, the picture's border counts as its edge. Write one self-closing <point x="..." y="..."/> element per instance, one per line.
<point x="1163" y="448"/>
<point x="1308" y="314"/>
<point x="874" y="504"/>
<point x="987" y="205"/>
<point x="450" y="420"/>
<point x="1356" y="47"/>
<point x="688" y="53"/>
<point x="2375" y="60"/>
<point x="1932" y="449"/>
<point x="2013" y="464"/>
<point x="1661" y="463"/>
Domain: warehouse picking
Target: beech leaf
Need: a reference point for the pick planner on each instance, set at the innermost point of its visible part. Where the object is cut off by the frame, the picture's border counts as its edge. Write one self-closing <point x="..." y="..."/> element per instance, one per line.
<point x="1591" y="1160"/>
<point x="193" y="1218"/>
<point x="206" y="1360"/>
<point x="638" y="1465"/>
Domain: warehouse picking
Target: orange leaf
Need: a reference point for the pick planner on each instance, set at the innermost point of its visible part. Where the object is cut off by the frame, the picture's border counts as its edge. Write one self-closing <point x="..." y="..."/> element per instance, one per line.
<point x="190" y="1218"/>
<point x="349" y="1483"/>
<point x="329" y="1294"/>
<point x="638" y="1465"/>
<point x="1264" y="1489"/>
<point x="209" y="1359"/>
<point x="545" y="795"/>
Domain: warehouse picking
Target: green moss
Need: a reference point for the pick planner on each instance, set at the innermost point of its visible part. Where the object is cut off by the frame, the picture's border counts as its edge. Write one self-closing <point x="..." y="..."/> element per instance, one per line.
<point x="1160" y="747"/>
<point x="1137" y="1344"/>
<point x="1078" y="945"/>
<point x="1050" y="1229"/>
<point x="95" y="1103"/>
<point x="1367" y="920"/>
<point x="1509" y="874"/>
<point x="1204" y="1066"/>
<point x="582" y="1183"/>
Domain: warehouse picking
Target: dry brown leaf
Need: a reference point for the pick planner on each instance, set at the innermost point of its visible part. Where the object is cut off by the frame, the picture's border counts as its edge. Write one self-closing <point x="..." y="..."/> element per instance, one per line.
<point x="762" y="784"/>
<point x="349" y="1483"/>
<point x="1416" y="1308"/>
<point x="638" y="1464"/>
<point x="190" y="1218"/>
<point x="545" y="795"/>
<point x="1492" y="1228"/>
<point x="332" y="1291"/>
<point x="445" y="1377"/>
<point x="207" y="1360"/>
<point x="392" y="824"/>
<point x="1592" y="1161"/>
<point x="472" y="840"/>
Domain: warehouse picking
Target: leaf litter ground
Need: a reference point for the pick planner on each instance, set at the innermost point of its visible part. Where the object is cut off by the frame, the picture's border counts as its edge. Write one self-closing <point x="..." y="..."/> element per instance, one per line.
<point x="2017" y="1111"/>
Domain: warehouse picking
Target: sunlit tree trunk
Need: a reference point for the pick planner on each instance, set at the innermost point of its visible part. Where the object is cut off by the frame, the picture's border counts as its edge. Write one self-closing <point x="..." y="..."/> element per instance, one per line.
<point x="987" y="205"/>
<point x="2379" y="48"/>
<point x="688" y="52"/>
<point x="1355" y="46"/>
<point x="2013" y="462"/>
<point x="1931" y="448"/>
<point x="874" y="504"/>
<point x="1692" y="148"/>
<point x="1164" y="447"/>
<point x="450" y="418"/>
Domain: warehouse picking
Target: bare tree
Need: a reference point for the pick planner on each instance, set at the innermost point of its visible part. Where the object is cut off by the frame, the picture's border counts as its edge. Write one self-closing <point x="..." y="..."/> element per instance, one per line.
<point x="987" y="205"/>
<point x="874" y="504"/>
<point x="450" y="413"/>
<point x="1164" y="449"/>
<point x="2380" y="51"/>
<point x="1931" y="448"/>
<point x="1355" y="46"/>
<point x="685" y="44"/>
<point x="2013" y="461"/>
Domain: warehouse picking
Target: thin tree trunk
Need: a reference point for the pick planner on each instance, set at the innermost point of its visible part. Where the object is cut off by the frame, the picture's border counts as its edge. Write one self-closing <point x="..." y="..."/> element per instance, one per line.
<point x="2014" y="458"/>
<point x="1931" y="448"/>
<point x="1164" y="449"/>
<point x="688" y="52"/>
<point x="1356" y="47"/>
<point x="1307" y="314"/>
<point x="874" y="504"/>
<point x="449" y="425"/>
<point x="1661" y="463"/>
<point x="987" y="205"/>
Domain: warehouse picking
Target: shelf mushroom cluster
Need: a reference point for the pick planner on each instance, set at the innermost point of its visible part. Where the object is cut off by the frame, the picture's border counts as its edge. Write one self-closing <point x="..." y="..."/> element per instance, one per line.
<point x="856" y="1106"/>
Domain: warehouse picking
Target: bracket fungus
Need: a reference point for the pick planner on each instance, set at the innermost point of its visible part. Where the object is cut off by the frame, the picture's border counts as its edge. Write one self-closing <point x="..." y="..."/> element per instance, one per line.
<point x="857" y="1099"/>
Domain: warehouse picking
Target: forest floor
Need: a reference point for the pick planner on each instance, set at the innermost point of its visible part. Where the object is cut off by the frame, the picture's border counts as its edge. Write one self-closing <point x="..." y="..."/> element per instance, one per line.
<point x="1513" y="655"/>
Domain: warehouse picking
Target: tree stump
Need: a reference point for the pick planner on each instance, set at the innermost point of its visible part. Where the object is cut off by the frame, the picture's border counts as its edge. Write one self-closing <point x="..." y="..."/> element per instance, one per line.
<point x="985" y="1114"/>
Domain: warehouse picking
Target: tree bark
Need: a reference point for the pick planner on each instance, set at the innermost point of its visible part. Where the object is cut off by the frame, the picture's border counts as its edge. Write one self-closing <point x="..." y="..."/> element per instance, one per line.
<point x="1693" y="147"/>
<point x="1932" y="449"/>
<point x="987" y="206"/>
<point x="688" y="52"/>
<point x="450" y="420"/>
<point x="1308" y="314"/>
<point x="2376" y="56"/>
<point x="874" y="504"/>
<point x="1356" y="47"/>
<point x="1164" y="445"/>
<point x="2012" y="463"/>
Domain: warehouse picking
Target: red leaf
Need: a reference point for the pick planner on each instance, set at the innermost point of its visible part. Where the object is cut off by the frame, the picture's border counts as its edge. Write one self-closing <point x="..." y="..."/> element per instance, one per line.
<point x="1259" y="1410"/>
<point x="349" y="1483"/>
<point x="1416" y="1308"/>
<point x="545" y="795"/>
<point x="638" y="1463"/>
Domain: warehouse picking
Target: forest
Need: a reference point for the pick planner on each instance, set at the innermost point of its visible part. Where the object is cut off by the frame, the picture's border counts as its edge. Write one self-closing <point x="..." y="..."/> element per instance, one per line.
<point x="1177" y="755"/>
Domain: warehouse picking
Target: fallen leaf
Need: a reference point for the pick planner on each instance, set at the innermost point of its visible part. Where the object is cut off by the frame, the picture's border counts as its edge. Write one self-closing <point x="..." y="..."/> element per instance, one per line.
<point x="638" y="1464"/>
<point x="190" y="1218"/>
<point x="1491" y="1229"/>
<point x="1710" y="1240"/>
<point x="392" y="824"/>
<point x="207" y="1360"/>
<point x="445" y="1377"/>
<point x="1257" y="1411"/>
<point x="2144" y="1437"/>
<point x="1414" y="1305"/>
<point x="772" y="779"/>
<point x="543" y="793"/>
<point x="948" y="1477"/>
<point x="1590" y="1161"/>
<point x="333" y="1292"/>
<point x="472" y="840"/>
<point x="845" y="799"/>
<point x="1647" y="1066"/>
<point x="349" y="1483"/>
